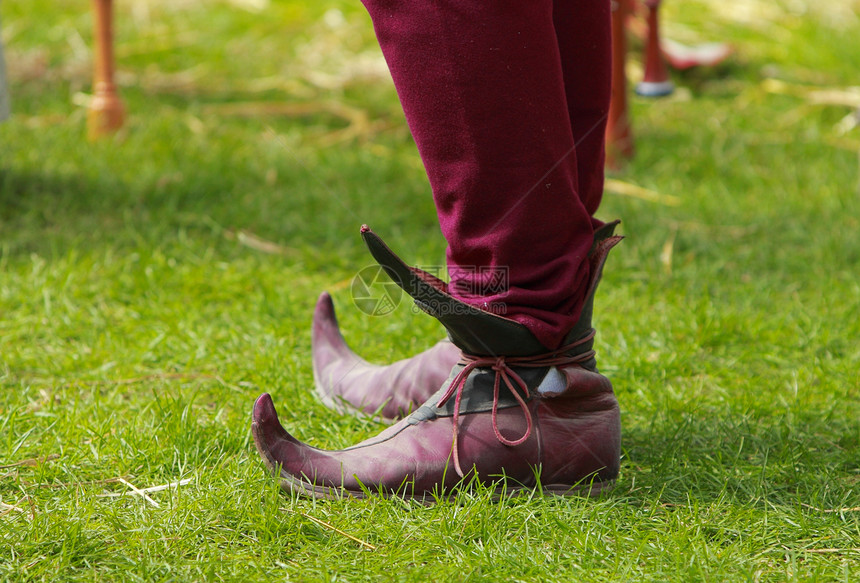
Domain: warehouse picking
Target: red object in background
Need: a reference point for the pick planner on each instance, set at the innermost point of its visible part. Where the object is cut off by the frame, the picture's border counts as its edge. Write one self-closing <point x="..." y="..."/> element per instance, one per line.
<point x="656" y="82"/>
<point x="659" y="52"/>
<point x="619" y="136"/>
<point x="683" y="57"/>
<point x="106" y="112"/>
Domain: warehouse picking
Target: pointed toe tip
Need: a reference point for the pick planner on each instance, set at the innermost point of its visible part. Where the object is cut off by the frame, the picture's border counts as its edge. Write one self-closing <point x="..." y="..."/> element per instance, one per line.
<point x="264" y="410"/>
<point x="324" y="310"/>
<point x="270" y="437"/>
<point x="265" y="422"/>
<point x="326" y="339"/>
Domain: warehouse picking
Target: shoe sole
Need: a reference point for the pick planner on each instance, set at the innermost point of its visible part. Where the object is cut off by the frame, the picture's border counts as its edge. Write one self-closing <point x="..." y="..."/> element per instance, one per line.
<point x="301" y="487"/>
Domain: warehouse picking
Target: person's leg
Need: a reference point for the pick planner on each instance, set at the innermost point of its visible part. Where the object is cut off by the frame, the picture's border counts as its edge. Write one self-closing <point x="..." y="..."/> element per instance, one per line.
<point x="583" y="30"/>
<point x="482" y="87"/>
<point x="483" y="90"/>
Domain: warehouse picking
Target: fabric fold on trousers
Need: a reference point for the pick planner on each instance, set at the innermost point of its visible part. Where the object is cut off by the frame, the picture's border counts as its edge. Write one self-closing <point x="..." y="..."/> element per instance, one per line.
<point x="506" y="101"/>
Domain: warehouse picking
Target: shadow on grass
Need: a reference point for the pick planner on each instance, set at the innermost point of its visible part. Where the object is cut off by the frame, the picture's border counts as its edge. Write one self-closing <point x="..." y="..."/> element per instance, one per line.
<point x="776" y="457"/>
<point x="52" y="212"/>
<point x="49" y="212"/>
<point x="148" y="191"/>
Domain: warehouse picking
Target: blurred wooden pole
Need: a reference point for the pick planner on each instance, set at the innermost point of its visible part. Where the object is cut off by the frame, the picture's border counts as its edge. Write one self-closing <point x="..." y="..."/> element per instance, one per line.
<point x="619" y="137"/>
<point x="106" y="113"/>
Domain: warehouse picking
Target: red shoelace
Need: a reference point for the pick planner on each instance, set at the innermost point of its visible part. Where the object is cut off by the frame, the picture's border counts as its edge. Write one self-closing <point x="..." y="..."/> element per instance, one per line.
<point x="516" y="385"/>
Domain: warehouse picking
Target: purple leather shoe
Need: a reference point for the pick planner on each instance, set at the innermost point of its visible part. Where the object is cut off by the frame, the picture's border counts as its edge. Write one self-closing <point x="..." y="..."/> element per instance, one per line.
<point x="512" y="413"/>
<point x="350" y="384"/>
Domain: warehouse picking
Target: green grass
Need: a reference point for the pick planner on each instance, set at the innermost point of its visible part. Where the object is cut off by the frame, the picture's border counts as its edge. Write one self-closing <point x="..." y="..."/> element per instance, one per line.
<point x="136" y="328"/>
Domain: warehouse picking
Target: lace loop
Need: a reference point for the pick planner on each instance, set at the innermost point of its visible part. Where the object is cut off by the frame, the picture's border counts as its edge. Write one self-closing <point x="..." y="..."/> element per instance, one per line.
<point x="502" y="366"/>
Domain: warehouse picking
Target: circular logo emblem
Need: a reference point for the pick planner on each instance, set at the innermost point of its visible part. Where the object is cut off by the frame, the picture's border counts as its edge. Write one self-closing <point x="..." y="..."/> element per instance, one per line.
<point x="374" y="293"/>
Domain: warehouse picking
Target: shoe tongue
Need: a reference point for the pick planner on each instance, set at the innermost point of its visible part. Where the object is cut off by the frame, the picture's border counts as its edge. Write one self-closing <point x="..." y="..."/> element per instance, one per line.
<point x="472" y="330"/>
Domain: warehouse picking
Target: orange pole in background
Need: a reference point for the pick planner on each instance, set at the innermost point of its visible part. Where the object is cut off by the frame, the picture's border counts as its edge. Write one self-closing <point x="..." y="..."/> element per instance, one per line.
<point x="106" y="112"/>
<point x="619" y="137"/>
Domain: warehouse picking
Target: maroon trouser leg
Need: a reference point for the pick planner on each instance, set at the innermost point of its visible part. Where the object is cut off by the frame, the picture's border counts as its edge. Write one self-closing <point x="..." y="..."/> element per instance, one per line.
<point x="506" y="100"/>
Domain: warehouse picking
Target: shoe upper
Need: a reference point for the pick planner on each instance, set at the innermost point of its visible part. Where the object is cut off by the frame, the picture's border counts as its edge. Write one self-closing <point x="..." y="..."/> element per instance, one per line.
<point x="489" y="418"/>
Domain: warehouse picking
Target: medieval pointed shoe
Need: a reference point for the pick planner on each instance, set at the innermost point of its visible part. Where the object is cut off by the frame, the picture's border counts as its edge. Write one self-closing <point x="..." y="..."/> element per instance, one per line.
<point x="513" y="413"/>
<point x="347" y="383"/>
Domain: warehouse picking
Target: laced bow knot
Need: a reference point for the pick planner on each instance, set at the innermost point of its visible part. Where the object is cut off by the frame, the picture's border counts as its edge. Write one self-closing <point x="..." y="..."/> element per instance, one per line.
<point x="502" y="366"/>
